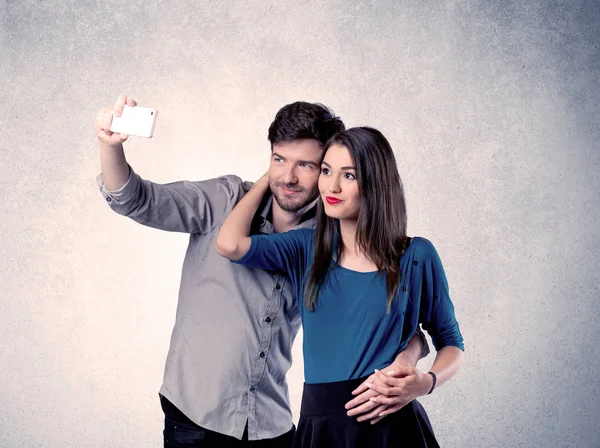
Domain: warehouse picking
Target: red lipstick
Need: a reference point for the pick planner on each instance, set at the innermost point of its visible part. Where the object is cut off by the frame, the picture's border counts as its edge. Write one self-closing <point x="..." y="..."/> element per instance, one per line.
<point x="331" y="200"/>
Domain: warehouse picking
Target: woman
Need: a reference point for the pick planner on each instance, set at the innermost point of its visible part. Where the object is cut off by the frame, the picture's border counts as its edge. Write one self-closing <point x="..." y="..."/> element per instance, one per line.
<point x="363" y="288"/>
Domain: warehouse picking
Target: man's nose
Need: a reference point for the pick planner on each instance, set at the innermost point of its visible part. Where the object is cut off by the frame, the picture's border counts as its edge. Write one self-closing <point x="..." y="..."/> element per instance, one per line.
<point x="290" y="177"/>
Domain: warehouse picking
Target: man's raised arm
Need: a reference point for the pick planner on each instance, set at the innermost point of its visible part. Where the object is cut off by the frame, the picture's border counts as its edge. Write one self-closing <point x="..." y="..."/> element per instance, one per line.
<point x="115" y="170"/>
<point x="188" y="207"/>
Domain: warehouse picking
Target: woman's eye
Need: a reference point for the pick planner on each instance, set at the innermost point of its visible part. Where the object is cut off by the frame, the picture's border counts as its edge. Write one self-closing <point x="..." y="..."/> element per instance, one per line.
<point x="349" y="176"/>
<point x="324" y="171"/>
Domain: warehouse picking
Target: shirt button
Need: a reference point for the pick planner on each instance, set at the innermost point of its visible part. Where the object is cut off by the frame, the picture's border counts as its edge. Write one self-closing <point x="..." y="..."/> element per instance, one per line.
<point x="262" y="354"/>
<point x="277" y="286"/>
<point x="415" y="262"/>
<point x="109" y="199"/>
<point x="268" y="320"/>
<point x="252" y="389"/>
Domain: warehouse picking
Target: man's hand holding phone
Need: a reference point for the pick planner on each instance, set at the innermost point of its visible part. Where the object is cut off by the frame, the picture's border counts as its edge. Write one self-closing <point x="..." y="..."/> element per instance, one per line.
<point x="104" y="120"/>
<point x="114" y="126"/>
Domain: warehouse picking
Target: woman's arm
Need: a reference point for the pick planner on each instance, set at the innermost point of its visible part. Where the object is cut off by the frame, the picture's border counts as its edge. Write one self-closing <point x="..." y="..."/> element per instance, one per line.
<point x="436" y="313"/>
<point x="233" y="241"/>
<point x="445" y="365"/>
<point x="396" y="392"/>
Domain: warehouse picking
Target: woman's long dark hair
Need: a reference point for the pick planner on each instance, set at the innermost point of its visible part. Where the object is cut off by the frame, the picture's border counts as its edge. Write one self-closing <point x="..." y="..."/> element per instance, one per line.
<point x="381" y="226"/>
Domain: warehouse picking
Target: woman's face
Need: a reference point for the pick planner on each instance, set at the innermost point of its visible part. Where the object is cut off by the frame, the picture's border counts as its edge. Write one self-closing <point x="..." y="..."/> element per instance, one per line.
<point x="338" y="185"/>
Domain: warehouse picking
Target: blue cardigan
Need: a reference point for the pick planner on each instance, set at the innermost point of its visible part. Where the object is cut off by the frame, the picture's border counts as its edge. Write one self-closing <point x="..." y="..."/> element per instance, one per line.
<point x="350" y="333"/>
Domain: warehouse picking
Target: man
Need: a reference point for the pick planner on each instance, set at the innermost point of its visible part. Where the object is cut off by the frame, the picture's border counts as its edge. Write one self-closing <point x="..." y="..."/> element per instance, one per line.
<point x="224" y="382"/>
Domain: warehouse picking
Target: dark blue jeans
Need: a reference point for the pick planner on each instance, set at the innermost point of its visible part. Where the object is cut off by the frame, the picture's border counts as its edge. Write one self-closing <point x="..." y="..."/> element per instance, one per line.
<point x="181" y="432"/>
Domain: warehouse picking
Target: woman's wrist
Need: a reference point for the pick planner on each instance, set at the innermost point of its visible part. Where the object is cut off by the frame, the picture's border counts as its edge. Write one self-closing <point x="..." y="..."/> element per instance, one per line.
<point x="425" y="381"/>
<point x="263" y="181"/>
<point x="255" y="194"/>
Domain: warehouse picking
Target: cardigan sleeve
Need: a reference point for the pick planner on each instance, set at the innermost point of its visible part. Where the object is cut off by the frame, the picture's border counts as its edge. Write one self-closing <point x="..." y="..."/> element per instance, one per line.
<point x="283" y="252"/>
<point x="437" y="311"/>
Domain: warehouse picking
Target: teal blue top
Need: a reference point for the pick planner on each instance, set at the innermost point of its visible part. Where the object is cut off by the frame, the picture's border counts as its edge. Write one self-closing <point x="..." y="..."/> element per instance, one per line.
<point x="349" y="334"/>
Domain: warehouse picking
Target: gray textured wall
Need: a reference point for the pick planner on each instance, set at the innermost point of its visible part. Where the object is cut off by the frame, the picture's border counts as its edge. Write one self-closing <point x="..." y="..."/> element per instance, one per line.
<point x="492" y="108"/>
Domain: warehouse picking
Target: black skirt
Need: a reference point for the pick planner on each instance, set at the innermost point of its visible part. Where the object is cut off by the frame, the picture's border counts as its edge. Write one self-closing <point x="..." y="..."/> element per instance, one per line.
<point x="324" y="423"/>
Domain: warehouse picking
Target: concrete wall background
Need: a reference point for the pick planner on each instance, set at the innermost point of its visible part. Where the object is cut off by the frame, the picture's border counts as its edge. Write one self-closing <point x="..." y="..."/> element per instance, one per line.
<point x="491" y="107"/>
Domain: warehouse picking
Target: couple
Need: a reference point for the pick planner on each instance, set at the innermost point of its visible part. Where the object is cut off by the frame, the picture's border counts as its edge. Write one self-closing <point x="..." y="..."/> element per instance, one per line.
<point x="224" y="379"/>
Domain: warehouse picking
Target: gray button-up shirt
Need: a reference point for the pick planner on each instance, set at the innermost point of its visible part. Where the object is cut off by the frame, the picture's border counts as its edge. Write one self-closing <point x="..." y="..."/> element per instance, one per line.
<point x="232" y="341"/>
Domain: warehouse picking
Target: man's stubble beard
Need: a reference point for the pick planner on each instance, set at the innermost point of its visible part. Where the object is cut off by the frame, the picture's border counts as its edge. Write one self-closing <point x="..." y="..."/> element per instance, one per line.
<point x="293" y="206"/>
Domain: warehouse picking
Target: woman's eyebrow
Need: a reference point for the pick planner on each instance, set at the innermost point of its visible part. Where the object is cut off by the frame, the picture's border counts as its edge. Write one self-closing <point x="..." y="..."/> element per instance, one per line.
<point x="345" y="168"/>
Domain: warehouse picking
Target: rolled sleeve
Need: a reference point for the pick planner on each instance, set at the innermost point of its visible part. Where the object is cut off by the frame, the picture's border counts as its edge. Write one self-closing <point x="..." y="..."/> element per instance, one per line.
<point x="122" y="195"/>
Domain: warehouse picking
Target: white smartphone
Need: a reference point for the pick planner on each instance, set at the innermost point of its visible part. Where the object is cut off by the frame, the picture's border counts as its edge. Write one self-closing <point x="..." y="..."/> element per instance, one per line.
<point x="137" y="120"/>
